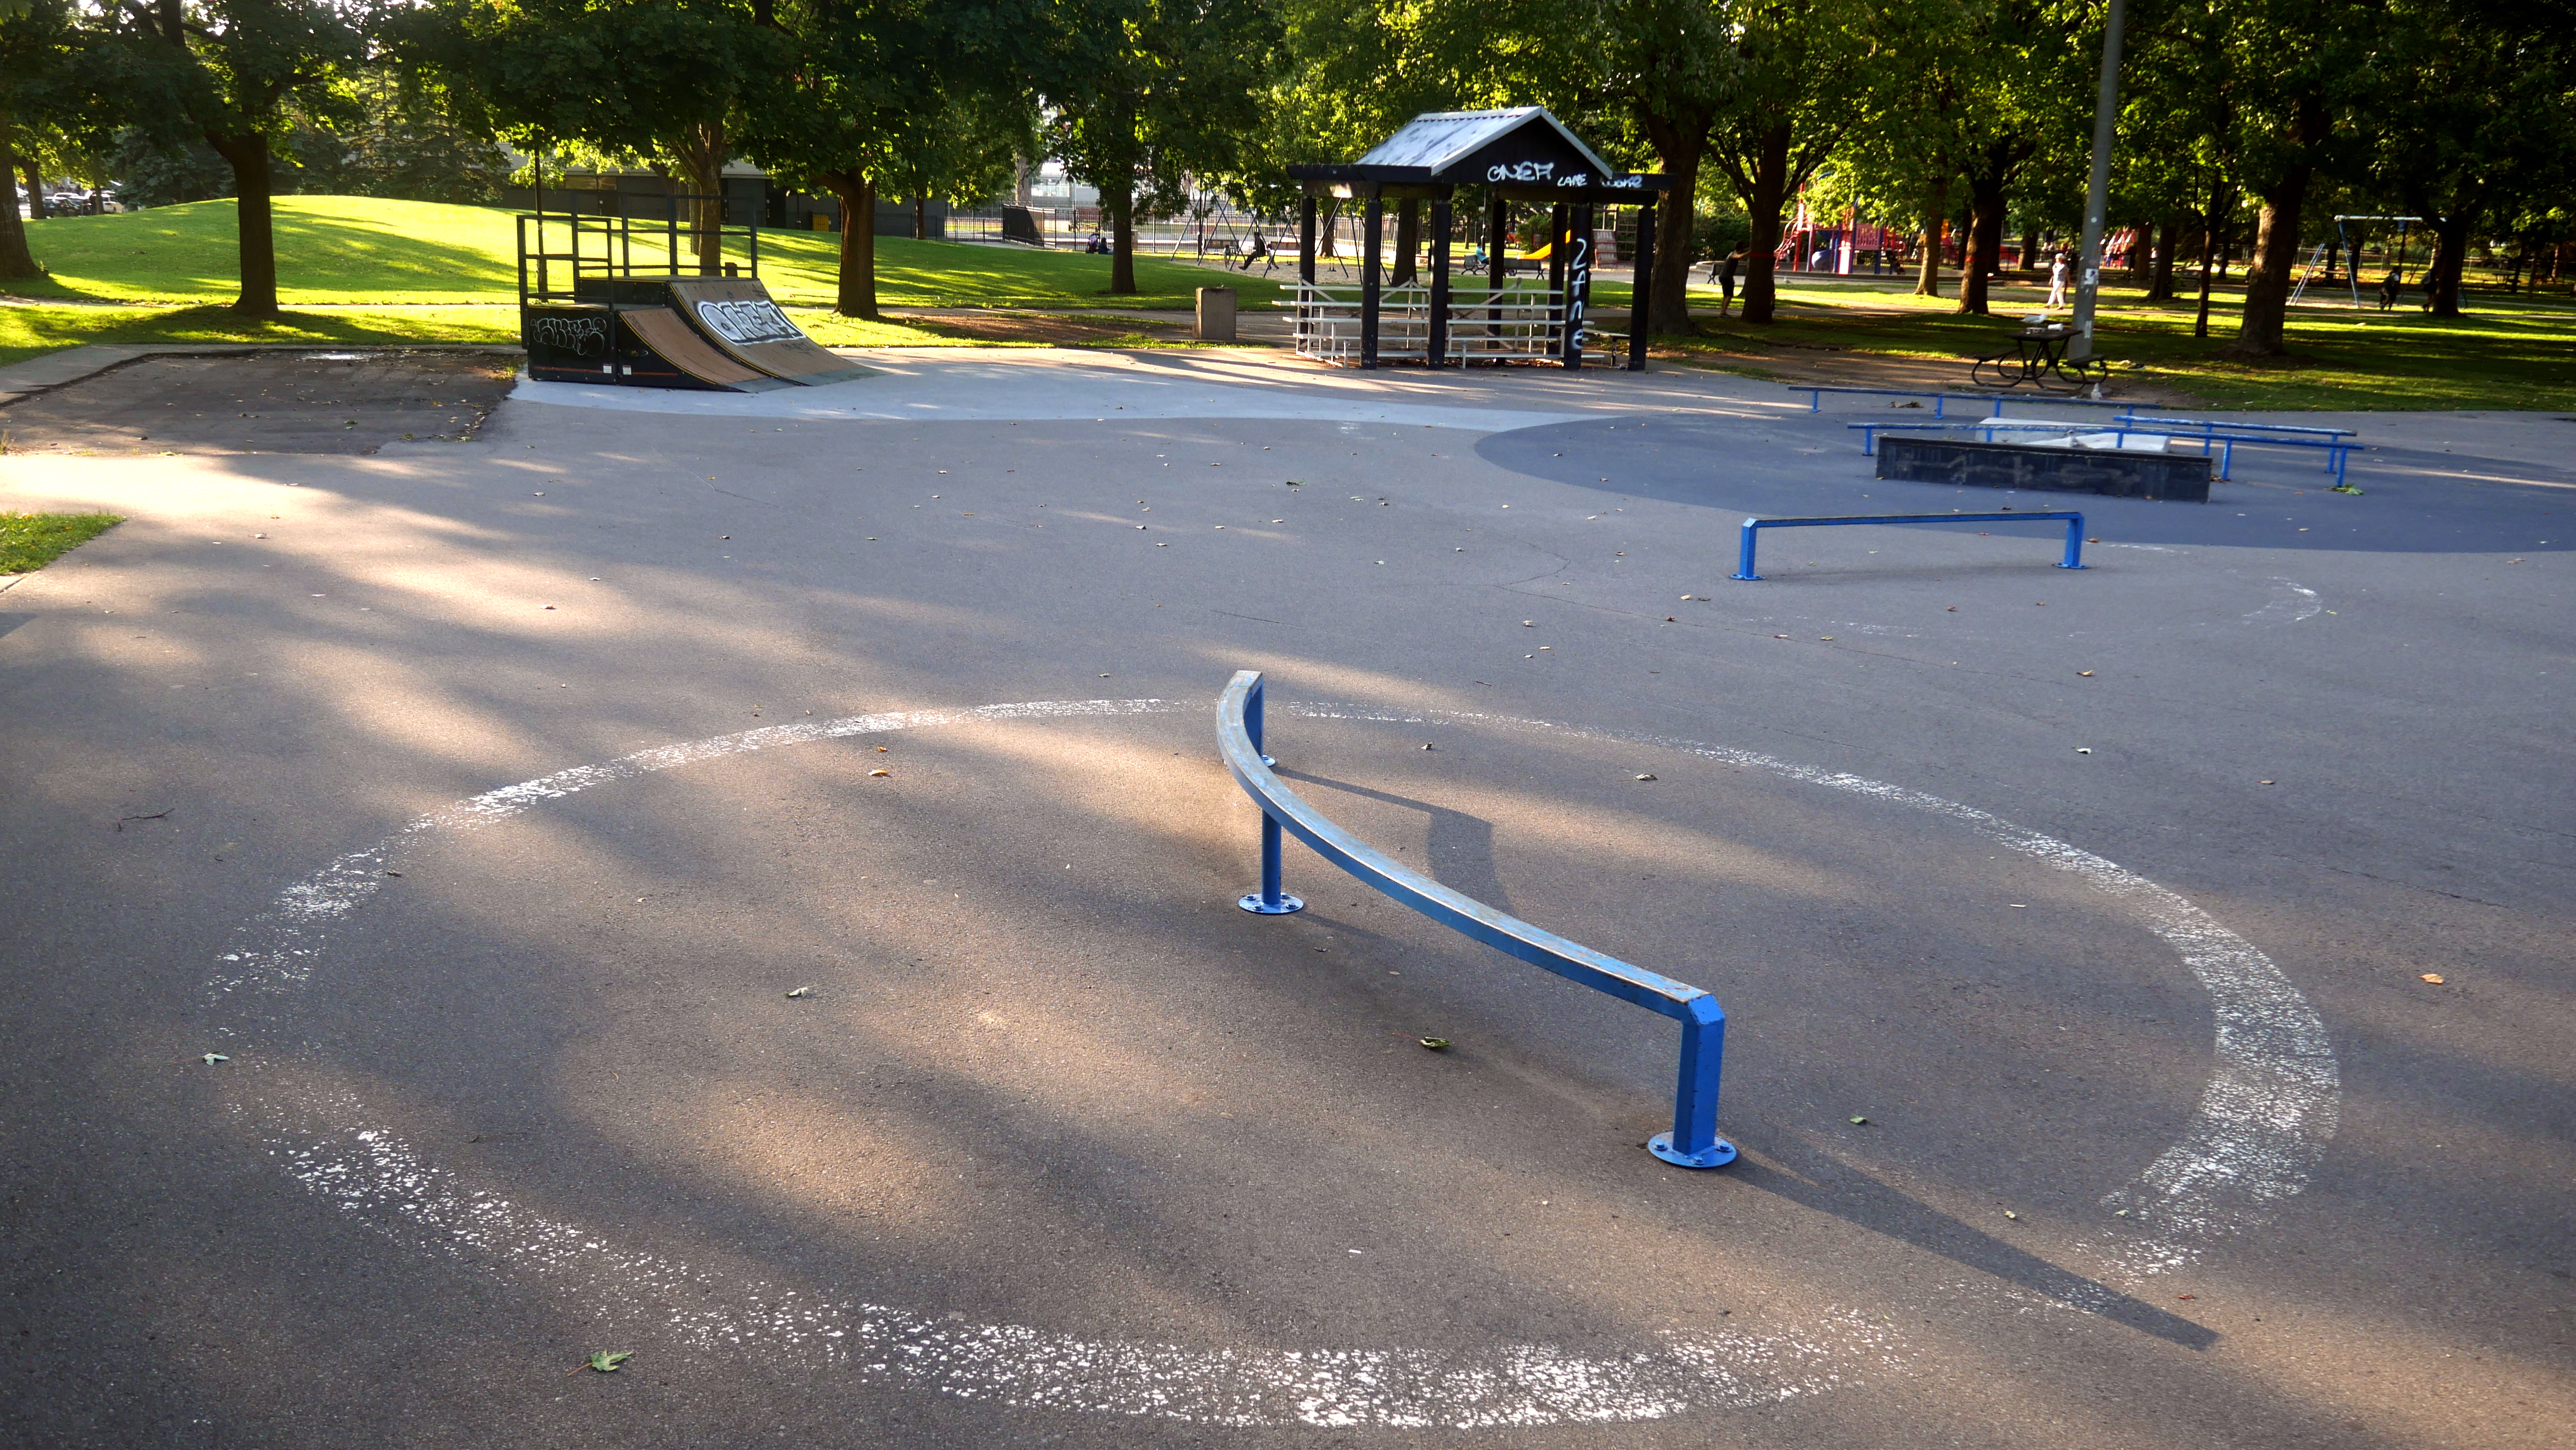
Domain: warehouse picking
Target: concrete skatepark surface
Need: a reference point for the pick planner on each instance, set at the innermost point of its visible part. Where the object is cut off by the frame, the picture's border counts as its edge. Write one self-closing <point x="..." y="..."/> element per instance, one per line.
<point x="483" y="813"/>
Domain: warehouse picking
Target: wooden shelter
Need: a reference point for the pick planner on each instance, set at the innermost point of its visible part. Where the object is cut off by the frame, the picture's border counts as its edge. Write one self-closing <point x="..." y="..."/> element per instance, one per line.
<point x="1518" y="155"/>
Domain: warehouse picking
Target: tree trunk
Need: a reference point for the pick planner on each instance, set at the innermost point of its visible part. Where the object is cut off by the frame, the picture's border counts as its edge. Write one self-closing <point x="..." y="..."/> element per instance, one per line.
<point x="701" y="152"/>
<point x="1122" y="240"/>
<point x="857" y="193"/>
<point x="2220" y="203"/>
<point x="15" y="259"/>
<point x="36" y="209"/>
<point x="1680" y="143"/>
<point x="2268" y="272"/>
<point x="1763" y="197"/>
<point x="1985" y="237"/>
<point x="248" y="155"/>
<point x="2030" y="252"/>
<point x="1936" y="230"/>
<point x="2450" y="256"/>
<point x="1328" y="228"/>
<point x="1408" y="240"/>
<point x="2142" y="259"/>
<point x="920" y="218"/>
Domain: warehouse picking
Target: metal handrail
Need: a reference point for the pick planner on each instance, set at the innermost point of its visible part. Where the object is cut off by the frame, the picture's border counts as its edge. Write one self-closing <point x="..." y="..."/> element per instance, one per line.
<point x="1693" y="1141"/>
<point x="1744" y="550"/>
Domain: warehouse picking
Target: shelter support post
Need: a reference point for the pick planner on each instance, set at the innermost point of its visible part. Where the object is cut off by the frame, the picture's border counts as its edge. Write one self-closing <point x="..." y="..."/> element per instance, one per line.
<point x="1641" y="291"/>
<point x="1497" y="255"/>
<point x="1372" y="235"/>
<point x="1437" y="354"/>
<point x="1305" y="266"/>
<point x="1577" y="247"/>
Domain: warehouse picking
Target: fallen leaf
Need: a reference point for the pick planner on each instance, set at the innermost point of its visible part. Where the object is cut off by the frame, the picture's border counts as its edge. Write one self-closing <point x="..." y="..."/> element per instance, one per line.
<point x="2008" y="1213"/>
<point x="1434" y="1043"/>
<point x="604" y="1361"/>
<point x="2263" y="782"/>
<point x="1645" y="777"/>
<point x="2083" y="749"/>
<point x="2435" y="978"/>
<point x="2088" y="674"/>
<point x="874" y="773"/>
<point x="2186" y="1296"/>
<point x="800" y="991"/>
<point x="1952" y="609"/>
<point x="1860" y="1122"/>
<point x="215" y="1057"/>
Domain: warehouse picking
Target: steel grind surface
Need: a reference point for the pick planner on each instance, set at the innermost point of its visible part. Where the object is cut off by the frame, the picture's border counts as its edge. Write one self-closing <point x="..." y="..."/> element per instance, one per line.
<point x="1062" y="1146"/>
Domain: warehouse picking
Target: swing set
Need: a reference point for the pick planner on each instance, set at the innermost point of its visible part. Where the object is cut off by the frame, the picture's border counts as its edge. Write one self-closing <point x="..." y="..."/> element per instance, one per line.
<point x="2350" y="240"/>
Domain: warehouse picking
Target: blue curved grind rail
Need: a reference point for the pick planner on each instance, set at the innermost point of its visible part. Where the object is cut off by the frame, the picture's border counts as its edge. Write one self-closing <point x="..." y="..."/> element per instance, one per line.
<point x="1693" y="1142"/>
<point x="1744" y="551"/>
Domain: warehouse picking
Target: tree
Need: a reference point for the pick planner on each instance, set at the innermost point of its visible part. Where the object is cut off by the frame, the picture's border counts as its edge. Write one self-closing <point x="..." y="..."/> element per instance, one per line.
<point x="1802" y="71"/>
<point x="1145" y="92"/>
<point x="869" y="81"/>
<point x="2287" y="70"/>
<point x="669" y="79"/>
<point x="35" y="50"/>
<point x="407" y="142"/>
<point x="232" y="73"/>
<point x="2477" y="122"/>
<point x="962" y="154"/>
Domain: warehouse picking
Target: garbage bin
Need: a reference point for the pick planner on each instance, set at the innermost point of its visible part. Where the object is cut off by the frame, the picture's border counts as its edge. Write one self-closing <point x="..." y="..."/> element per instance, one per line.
<point x="1216" y="314"/>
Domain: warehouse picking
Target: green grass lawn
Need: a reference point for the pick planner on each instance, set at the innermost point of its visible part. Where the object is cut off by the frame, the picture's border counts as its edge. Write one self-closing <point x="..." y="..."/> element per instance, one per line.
<point x="27" y="330"/>
<point x="356" y="250"/>
<point x="2510" y="352"/>
<point x="365" y="270"/>
<point x="29" y="542"/>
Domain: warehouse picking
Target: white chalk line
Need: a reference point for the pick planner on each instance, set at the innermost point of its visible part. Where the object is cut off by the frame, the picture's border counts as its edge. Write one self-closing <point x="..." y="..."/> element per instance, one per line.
<point x="2297" y="601"/>
<point x="2259" y="1130"/>
<point x="2261" y="1125"/>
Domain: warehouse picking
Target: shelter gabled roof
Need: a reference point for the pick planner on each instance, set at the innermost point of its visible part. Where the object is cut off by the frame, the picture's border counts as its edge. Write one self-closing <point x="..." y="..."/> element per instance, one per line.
<point x="1446" y="143"/>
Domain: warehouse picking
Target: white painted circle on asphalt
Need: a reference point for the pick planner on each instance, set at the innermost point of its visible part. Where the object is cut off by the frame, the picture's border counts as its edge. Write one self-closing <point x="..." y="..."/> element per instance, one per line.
<point x="2259" y="1129"/>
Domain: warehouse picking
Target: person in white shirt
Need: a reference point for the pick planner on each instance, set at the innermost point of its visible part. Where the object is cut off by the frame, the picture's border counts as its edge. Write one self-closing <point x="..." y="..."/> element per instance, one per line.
<point x="2057" y="281"/>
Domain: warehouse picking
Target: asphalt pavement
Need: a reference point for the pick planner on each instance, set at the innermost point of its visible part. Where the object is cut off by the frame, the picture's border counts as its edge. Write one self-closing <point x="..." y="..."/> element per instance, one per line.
<point x="747" y="883"/>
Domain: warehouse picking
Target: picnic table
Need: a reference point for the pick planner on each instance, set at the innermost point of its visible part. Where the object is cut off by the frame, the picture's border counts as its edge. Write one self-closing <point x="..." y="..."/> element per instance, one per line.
<point x="2037" y="356"/>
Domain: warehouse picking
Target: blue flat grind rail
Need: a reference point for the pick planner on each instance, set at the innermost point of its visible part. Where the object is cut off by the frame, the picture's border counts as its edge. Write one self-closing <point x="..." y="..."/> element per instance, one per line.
<point x="1693" y="1142"/>
<point x="1752" y="527"/>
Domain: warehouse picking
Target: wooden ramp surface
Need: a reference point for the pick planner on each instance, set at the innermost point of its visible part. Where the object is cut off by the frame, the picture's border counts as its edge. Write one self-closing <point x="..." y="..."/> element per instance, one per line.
<point x="736" y="316"/>
<point x="679" y="344"/>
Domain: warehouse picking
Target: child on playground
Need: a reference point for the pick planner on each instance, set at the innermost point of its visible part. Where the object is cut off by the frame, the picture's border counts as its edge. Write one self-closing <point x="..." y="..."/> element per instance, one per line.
<point x="2388" y="290"/>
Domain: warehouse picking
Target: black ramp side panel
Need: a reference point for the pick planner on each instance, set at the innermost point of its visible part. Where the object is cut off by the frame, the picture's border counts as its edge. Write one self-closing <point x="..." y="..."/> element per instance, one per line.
<point x="2117" y="473"/>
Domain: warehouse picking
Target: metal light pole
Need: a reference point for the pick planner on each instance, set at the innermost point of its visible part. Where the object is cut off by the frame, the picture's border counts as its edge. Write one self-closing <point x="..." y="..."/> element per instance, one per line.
<point x="2106" y="117"/>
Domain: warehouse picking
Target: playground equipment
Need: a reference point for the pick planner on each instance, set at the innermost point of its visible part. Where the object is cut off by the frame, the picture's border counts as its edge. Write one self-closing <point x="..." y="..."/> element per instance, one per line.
<point x="1693" y="1141"/>
<point x="606" y="298"/>
<point x="2350" y="239"/>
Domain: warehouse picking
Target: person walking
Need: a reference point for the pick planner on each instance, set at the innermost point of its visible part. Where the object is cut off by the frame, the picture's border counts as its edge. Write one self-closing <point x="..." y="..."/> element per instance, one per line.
<point x="2388" y="290"/>
<point x="1726" y="280"/>
<point x="2057" y="280"/>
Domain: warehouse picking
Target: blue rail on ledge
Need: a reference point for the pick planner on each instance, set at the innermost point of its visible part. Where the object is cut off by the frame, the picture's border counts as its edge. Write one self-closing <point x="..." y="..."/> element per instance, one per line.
<point x="1693" y="1142"/>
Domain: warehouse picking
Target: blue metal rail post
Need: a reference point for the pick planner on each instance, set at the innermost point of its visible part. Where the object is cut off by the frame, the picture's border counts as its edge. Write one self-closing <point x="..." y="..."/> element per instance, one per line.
<point x="1693" y="1141"/>
<point x="2074" y="532"/>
